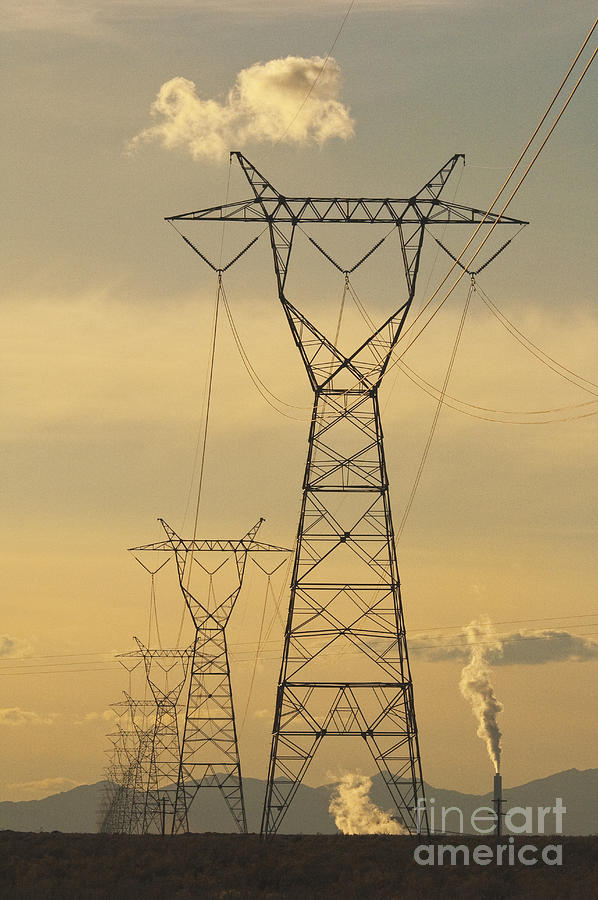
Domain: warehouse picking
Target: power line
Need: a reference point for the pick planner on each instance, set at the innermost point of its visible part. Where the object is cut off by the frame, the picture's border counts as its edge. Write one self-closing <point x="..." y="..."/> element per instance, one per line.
<point x="501" y="192"/>
<point x="318" y="76"/>
<point x="252" y="644"/>
<point x="437" y="412"/>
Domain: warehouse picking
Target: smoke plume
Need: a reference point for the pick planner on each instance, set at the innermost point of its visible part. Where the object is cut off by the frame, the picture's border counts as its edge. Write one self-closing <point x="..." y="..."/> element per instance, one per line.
<point x="475" y="686"/>
<point x="294" y="100"/>
<point x="354" y="812"/>
<point x="531" y="648"/>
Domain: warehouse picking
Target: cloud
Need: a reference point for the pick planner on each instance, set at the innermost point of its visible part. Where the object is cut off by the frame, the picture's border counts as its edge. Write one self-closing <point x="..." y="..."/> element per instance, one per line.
<point x="13" y="647"/>
<point x="514" y="648"/>
<point x="15" y="716"/>
<point x="43" y="788"/>
<point x="294" y="100"/>
<point x="107" y="715"/>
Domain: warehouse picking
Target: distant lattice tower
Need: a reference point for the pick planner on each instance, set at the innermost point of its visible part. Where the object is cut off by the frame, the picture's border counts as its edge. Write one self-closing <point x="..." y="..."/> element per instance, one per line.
<point x="164" y="747"/>
<point x="345" y="591"/>
<point x="126" y="773"/>
<point x="209" y="756"/>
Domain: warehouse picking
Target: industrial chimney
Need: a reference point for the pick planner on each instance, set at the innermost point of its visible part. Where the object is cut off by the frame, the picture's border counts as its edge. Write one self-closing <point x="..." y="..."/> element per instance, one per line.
<point x="498" y="803"/>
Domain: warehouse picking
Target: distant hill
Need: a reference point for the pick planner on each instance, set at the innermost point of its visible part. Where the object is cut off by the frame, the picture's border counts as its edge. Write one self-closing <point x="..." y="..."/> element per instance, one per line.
<point x="77" y="810"/>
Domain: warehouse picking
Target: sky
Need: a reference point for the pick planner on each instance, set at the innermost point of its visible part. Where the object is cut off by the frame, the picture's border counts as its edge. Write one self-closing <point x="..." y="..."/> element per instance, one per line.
<point x="121" y="113"/>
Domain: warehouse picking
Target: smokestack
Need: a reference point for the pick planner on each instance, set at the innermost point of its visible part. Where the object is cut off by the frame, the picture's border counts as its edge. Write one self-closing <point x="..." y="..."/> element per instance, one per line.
<point x="498" y="803"/>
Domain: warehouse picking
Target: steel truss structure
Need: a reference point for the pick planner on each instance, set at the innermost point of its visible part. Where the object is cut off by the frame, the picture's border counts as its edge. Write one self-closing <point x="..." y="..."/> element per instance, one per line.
<point x="209" y="752"/>
<point x="143" y="771"/>
<point x="127" y="760"/>
<point x="345" y="595"/>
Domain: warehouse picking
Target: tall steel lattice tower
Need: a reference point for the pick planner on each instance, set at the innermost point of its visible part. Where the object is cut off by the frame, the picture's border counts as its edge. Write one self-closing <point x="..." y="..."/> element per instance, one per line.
<point x="209" y="751"/>
<point x="345" y="592"/>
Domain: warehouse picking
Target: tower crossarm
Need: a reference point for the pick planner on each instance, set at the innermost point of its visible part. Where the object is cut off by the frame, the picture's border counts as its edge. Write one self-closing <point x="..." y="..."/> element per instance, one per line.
<point x="178" y="653"/>
<point x="269" y="205"/>
<point x="196" y="546"/>
<point x="245" y="544"/>
<point x="418" y="210"/>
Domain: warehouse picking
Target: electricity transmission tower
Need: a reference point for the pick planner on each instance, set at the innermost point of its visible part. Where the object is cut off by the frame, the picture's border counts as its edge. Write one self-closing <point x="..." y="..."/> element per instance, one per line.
<point x="127" y="766"/>
<point x="209" y="752"/>
<point x="345" y="595"/>
<point x="160" y="762"/>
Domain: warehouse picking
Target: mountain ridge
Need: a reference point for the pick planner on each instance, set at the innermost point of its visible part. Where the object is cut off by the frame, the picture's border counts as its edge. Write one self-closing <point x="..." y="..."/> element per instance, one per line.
<point x="77" y="810"/>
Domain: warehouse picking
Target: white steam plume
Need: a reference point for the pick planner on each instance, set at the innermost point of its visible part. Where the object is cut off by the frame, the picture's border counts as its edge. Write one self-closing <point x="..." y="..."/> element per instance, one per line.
<point x="475" y="686"/>
<point x="354" y="812"/>
<point x="294" y="100"/>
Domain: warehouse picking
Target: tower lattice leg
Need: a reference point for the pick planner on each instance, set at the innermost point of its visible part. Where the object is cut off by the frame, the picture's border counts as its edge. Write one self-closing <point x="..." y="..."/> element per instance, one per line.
<point x="338" y="629"/>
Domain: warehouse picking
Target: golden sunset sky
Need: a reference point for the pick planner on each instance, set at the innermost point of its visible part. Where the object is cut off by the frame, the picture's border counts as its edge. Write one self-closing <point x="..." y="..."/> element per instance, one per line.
<point x="106" y="331"/>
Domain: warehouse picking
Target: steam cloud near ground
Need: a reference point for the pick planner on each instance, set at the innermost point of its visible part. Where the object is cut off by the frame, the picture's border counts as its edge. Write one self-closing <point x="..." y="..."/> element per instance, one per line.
<point x="291" y="100"/>
<point x="354" y="812"/>
<point x="514" y="648"/>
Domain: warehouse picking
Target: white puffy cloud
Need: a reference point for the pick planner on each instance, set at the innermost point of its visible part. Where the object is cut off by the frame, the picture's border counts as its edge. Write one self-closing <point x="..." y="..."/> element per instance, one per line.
<point x="294" y="100"/>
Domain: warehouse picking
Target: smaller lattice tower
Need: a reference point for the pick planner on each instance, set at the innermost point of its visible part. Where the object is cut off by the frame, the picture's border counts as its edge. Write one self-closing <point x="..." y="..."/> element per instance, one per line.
<point x="128" y="756"/>
<point x="210" y="574"/>
<point x="166" y="673"/>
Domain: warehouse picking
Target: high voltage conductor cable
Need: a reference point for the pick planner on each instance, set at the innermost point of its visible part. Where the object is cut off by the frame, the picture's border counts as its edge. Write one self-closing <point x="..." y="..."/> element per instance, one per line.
<point x="275" y="658"/>
<point x="536" y="351"/>
<point x="516" y="622"/>
<point x="318" y="76"/>
<point x="340" y="318"/>
<point x="528" y="145"/>
<point x="251" y="371"/>
<point x="259" y="384"/>
<point x="434" y="392"/>
<point x="152" y="573"/>
<point x="422" y="630"/>
<point x="268" y="574"/>
<point x="208" y="403"/>
<point x="278" y="600"/>
<point x="504" y="187"/>
<point x="557" y="367"/>
<point x="61" y="671"/>
<point x="204" y="439"/>
<point x="426" y="451"/>
<point x="464" y="644"/>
